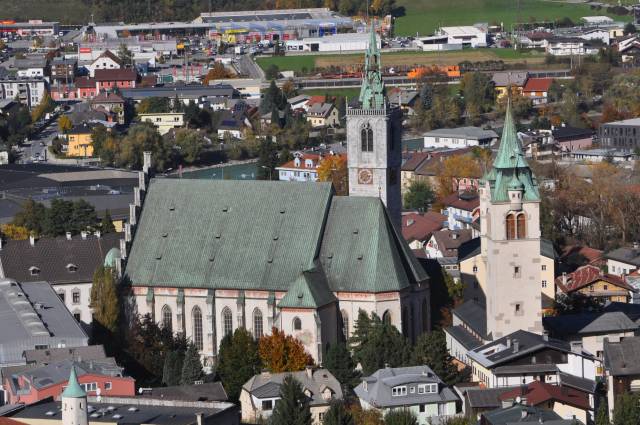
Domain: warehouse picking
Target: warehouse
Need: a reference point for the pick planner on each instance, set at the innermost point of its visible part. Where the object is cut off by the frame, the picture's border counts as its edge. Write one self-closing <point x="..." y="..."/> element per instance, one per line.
<point x="453" y="38"/>
<point x="355" y="42"/>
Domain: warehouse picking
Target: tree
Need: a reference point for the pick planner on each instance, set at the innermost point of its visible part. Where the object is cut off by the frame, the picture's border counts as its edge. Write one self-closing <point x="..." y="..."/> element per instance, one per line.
<point x="31" y="216"/>
<point x="16" y="233"/>
<point x="217" y="72"/>
<point x="106" y="225"/>
<point x="333" y="168"/>
<point x="478" y="91"/>
<point x="83" y="216"/>
<point x="419" y="196"/>
<point x="140" y="138"/>
<point x="145" y="348"/>
<point x="452" y="169"/>
<point x="238" y="361"/>
<point x="152" y="105"/>
<point x="626" y="410"/>
<point x="629" y="28"/>
<point x="190" y="142"/>
<point x="125" y="55"/>
<point x="105" y="305"/>
<point x="365" y="417"/>
<point x="339" y="362"/>
<point x="400" y="417"/>
<point x="431" y="350"/>
<point x="273" y="98"/>
<point x="283" y="353"/>
<point x="576" y="303"/>
<point x="64" y="124"/>
<point x="191" y="366"/>
<point x="46" y="105"/>
<point x="337" y="414"/>
<point x="602" y="416"/>
<point x="454" y="289"/>
<point x="172" y="371"/>
<point x="293" y="406"/>
<point x="267" y="160"/>
<point x="272" y="72"/>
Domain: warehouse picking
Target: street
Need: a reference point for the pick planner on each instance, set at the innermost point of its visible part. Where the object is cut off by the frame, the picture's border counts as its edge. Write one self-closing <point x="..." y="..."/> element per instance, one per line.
<point x="37" y="146"/>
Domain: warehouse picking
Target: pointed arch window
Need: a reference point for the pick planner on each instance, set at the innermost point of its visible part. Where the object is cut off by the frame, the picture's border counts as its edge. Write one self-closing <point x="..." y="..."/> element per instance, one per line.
<point x="196" y="316"/>
<point x="257" y="324"/>
<point x="297" y="324"/>
<point x="345" y="324"/>
<point x="227" y="321"/>
<point x="167" y="318"/>
<point x="521" y="222"/>
<point x="516" y="226"/>
<point x="511" y="226"/>
<point x="386" y="317"/>
<point x="366" y="138"/>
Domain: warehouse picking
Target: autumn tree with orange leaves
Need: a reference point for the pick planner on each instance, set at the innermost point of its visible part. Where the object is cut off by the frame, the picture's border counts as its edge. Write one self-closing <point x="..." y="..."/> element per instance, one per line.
<point x="333" y="168"/>
<point x="283" y="353"/>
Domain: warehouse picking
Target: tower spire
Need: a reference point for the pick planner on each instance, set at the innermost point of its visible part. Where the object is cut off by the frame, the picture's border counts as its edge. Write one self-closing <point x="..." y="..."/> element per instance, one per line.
<point x="372" y="94"/>
<point x="73" y="390"/>
<point x="510" y="154"/>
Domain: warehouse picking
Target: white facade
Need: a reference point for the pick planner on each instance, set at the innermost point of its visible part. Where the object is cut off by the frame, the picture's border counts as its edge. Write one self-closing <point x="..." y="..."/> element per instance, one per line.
<point x="332" y="43"/>
<point x="303" y="170"/>
<point x="457" y="218"/>
<point x="36" y="72"/>
<point x="569" y="47"/>
<point x="619" y="268"/>
<point x="164" y="121"/>
<point x="29" y="91"/>
<point x="77" y="298"/>
<point x="102" y="62"/>
<point x="453" y="38"/>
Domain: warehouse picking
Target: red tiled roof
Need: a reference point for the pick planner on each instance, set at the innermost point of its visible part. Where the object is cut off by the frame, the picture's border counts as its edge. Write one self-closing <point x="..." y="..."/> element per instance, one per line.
<point x="115" y="75"/>
<point x="592" y="255"/>
<point x="457" y="200"/>
<point x="420" y="227"/>
<point x="108" y="98"/>
<point x="85" y="83"/>
<point x="9" y="421"/>
<point x="587" y="275"/>
<point x="316" y="99"/>
<point x="537" y="84"/>
<point x="415" y="160"/>
<point x="539" y="392"/>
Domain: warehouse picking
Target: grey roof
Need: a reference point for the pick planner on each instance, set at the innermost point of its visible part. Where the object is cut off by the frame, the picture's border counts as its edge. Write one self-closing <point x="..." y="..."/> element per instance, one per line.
<point x="627" y="255"/>
<point x="181" y="91"/>
<point x="631" y="121"/>
<point x="293" y="228"/>
<point x="506" y="78"/>
<point x="381" y="382"/>
<point x="589" y="323"/>
<point x="53" y="257"/>
<point x="475" y="133"/>
<point x="474" y="316"/>
<point x="299" y="98"/>
<point x="485" y="398"/>
<point x="320" y="109"/>
<point x="519" y="413"/>
<point x="525" y="369"/>
<point x="464" y="337"/>
<point x="55" y="354"/>
<point x="32" y="314"/>
<point x="31" y="62"/>
<point x="623" y="358"/>
<point x="502" y="350"/>
<point x="582" y="384"/>
<point x="267" y="385"/>
<point x="208" y="391"/>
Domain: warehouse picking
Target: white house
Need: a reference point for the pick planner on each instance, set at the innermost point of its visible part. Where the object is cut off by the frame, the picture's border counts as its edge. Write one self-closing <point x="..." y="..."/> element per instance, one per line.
<point x="106" y="60"/>
<point x="569" y="46"/>
<point x="164" y="121"/>
<point x="453" y="38"/>
<point x="29" y="91"/>
<point x="302" y="168"/>
<point x="350" y="42"/>
<point x="460" y="137"/>
<point x="31" y="67"/>
<point x="624" y="260"/>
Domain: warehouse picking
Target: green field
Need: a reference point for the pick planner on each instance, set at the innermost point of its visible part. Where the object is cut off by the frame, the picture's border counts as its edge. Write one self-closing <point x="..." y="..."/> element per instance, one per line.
<point x="344" y="92"/>
<point x="288" y="63"/>
<point x="425" y="16"/>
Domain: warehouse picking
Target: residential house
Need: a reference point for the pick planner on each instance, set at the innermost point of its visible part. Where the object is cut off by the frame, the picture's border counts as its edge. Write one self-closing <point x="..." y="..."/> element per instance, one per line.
<point x="462" y="210"/>
<point x="570" y="46"/>
<point x="29" y="91"/>
<point x="622" y="135"/>
<point x="98" y="377"/>
<point x="67" y="262"/>
<point x="79" y="142"/>
<point x="519" y="413"/>
<point x="589" y="281"/>
<point x="622" y="366"/>
<point x="537" y="89"/>
<point x="206" y="391"/>
<point x="623" y="260"/>
<point x="591" y="329"/>
<point x="62" y="92"/>
<point x="571" y="139"/>
<point x="504" y="79"/>
<point x="231" y="126"/>
<point x="32" y="67"/>
<point x="418" y="228"/>
<point x="477" y="400"/>
<point x="109" y="79"/>
<point x="445" y="243"/>
<point x="568" y="403"/>
<point x="574" y="256"/>
<point x="185" y="93"/>
<point x="405" y="99"/>
<point x="260" y="394"/>
<point x="111" y="104"/>
<point x="460" y="137"/>
<point x="303" y="167"/>
<point x="537" y="144"/>
<point x="323" y="115"/>
<point x="429" y="170"/>
<point x="63" y="70"/>
<point x="299" y="102"/>
<point x="86" y="87"/>
<point x="467" y="331"/>
<point x="408" y="169"/>
<point x="33" y="317"/>
<point x="523" y="357"/>
<point x="106" y="60"/>
<point x="416" y="388"/>
<point x="163" y="121"/>
<point x="629" y="49"/>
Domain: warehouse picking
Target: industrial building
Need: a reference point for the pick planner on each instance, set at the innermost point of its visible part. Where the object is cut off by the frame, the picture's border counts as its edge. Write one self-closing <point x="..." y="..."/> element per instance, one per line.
<point x="33" y="27"/>
<point x="332" y="43"/>
<point x="623" y="135"/>
<point x="453" y="38"/>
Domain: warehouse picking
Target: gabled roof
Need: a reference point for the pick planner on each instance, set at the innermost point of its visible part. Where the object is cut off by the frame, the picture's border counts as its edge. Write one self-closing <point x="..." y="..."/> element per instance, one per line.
<point x="421" y="226"/>
<point x="538" y="392"/>
<point x="115" y="74"/>
<point x="623" y="358"/>
<point x="628" y="255"/>
<point x="589" y="323"/>
<point x="485" y="398"/>
<point x="414" y="160"/>
<point x="519" y="413"/>
<point x="320" y="109"/>
<point x="537" y="84"/>
<point x="53" y="355"/>
<point x="85" y="83"/>
<point x="450" y="240"/>
<point x="565" y="132"/>
<point x="585" y="276"/>
<point x="107" y="97"/>
<point x="473" y="315"/>
<point x="467" y="201"/>
<point x="109" y="54"/>
<point x="510" y="78"/>
<point x="310" y="290"/>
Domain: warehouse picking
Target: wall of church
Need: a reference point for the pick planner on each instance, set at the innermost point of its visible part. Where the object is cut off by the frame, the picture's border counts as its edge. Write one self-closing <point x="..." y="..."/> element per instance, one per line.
<point x="473" y="273"/>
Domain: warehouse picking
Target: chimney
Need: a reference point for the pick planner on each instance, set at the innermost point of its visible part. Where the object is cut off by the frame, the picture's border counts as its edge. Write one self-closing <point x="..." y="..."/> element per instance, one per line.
<point x="545" y="335"/>
<point x="636" y="246"/>
<point x="136" y="196"/>
<point x="516" y="345"/>
<point x="32" y="240"/>
<point x="127" y="232"/>
<point x="132" y="214"/>
<point x="309" y="372"/>
<point x="123" y="249"/>
<point x="83" y="234"/>
<point x="142" y="181"/>
<point x="265" y="374"/>
<point x="564" y="278"/>
<point x="146" y="162"/>
<point x="199" y="418"/>
<point x="524" y="413"/>
<point x="386" y="365"/>
<point x="508" y="342"/>
<point x="576" y="346"/>
<point x="68" y="236"/>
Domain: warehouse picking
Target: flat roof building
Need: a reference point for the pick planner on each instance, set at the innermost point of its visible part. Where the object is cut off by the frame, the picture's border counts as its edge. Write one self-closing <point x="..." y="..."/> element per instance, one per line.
<point x="624" y="135"/>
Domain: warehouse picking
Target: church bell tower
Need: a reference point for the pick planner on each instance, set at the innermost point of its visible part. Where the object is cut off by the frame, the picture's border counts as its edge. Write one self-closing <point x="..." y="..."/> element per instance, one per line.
<point x="374" y="131"/>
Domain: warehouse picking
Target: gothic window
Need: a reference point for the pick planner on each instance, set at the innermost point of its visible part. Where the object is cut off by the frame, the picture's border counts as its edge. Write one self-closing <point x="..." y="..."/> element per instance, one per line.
<point x="386" y="317"/>
<point x="167" y="318"/>
<point x="257" y="323"/>
<point x="196" y="316"/>
<point x="522" y="226"/>
<point x="345" y="324"/>
<point x="297" y="324"/>
<point x="511" y="226"/>
<point x="366" y="138"/>
<point x="227" y="321"/>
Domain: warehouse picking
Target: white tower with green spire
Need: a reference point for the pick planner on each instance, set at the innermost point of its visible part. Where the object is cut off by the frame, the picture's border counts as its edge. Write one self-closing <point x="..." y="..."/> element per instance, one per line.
<point x="374" y="137"/>
<point x="510" y="240"/>
<point x="74" y="402"/>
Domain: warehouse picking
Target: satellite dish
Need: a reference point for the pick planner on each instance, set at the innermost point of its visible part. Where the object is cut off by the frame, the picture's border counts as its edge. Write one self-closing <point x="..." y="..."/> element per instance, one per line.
<point x="140" y="390"/>
<point x="518" y="400"/>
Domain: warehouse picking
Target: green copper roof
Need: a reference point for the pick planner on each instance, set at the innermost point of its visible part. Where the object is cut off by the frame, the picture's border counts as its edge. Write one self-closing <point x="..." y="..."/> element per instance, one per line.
<point x="73" y="390"/>
<point x="230" y="234"/>
<point x="510" y="169"/>
<point x="310" y="290"/>
<point x="372" y="93"/>
<point x="112" y="257"/>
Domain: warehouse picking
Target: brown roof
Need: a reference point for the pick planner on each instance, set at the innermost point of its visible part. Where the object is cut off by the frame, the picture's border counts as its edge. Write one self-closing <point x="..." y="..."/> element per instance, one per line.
<point x="420" y="227"/>
<point x="9" y="421"/>
<point x="109" y="54"/>
<point x="85" y="82"/>
<point x="450" y="240"/>
<point x="467" y="201"/>
<point x="414" y="160"/>
<point x="585" y="276"/>
<point x="115" y="75"/>
<point x="537" y="84"/>
<point x="538" y="392"/>
<point x="107" y="97"/>
<point x="591" y="255"/>
<point x="431" y="166"/>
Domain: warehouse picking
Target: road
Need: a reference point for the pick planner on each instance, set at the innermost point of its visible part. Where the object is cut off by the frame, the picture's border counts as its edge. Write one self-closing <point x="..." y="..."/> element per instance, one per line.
<point x="37" y="146"/>
<point x="248" y="66"/>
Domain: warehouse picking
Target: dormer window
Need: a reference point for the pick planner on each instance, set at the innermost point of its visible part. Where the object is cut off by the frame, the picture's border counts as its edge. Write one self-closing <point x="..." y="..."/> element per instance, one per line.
<point x="308" y="392"/>
<point x="34" y="271"/>
<point x="399" y="391"/>
<point x="72" y="268"/>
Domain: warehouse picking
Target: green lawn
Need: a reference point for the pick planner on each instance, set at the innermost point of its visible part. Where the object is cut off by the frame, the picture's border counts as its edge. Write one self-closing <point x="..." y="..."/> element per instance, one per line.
<point x="425" y="16"/>
<point x="345" y="92"/>
<point x="288" y="63"/>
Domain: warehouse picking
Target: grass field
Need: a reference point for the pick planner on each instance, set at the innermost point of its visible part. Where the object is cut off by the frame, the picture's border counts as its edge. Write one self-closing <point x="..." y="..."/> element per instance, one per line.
<point x="64" y="11"/>
<point x="425" y="16"/>
<point x="308" y="62"/>
<point x="345" y="92"/>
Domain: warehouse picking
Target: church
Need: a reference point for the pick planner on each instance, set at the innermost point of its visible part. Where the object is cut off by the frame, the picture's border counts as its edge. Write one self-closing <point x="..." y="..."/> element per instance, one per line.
<point x="205" y="257"/>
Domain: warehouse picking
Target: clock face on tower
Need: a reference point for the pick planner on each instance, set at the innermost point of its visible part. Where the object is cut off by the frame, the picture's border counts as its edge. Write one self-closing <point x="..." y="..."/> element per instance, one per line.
<point x="365" y="176"/>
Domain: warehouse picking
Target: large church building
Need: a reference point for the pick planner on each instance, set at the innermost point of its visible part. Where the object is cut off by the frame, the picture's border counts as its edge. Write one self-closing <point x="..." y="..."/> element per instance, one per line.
<point x="208" y="257"/>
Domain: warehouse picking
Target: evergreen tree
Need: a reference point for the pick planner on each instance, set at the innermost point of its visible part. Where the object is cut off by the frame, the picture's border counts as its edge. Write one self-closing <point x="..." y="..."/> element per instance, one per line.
<point x="106" y="225"/>
<point x="339" y="362"/>
<point x="83" y="216"/>
<point x="104" y="299"/>
<point x="172" y="371"/>
<point x="361" y="330"/>
<point x="293" y="406"/>
<point x="267" y="160"/>
<point x="237" y="361"/>
<point x="431" y="350"/>
<point x="31" y="217"/>
<point x="337" y="415"/>
<point x="400" y="417"/>
<point x="125" y="55"/>
<point x="191" y="366"/>
<point x="602" y="417"/>
<point x="419" y="196"/>
<point x="626" y="411"/>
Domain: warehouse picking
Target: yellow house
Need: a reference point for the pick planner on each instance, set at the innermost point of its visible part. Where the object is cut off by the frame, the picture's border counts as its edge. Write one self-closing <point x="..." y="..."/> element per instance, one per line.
<point x="589" y="281"/>
<point x="79" y="143"/>
<point x="515" y="80"/>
